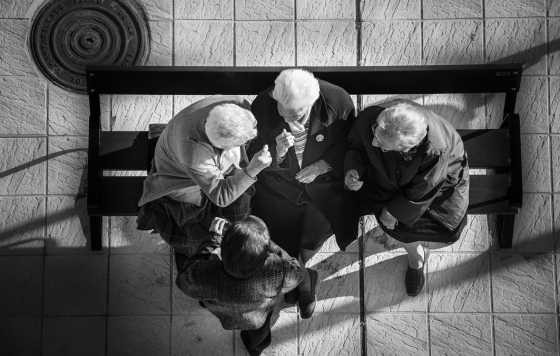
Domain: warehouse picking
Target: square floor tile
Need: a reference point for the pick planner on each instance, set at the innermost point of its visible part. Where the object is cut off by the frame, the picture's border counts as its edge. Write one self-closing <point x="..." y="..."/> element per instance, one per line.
<point x="15" y="8"/>
<point x="555" y="104"/>
<point x="390" y="9"/>
<point x="22" y="278"/>
<point x="463" y="111"/>
<point x="204" y="9"/>
<point x="284" y="337"/>
<point x="330" y="334"/>
<point x="126" y="238"/>
<point x="22" y="105"/>
<point x="138" y="335"/>
<point x="325" y="9"/>
<point x="453" y="42"/>
<point x="22" y="163"/>
<point x="260" y="43"/>
<point x="554" y="42"/>
<point x="322" y="43"/>
<point x="264" y="10"/>
<point x="384" y="285"/>
<point x="397" y="334"/>
<point x="441" y="9"/>
<point x="139" y="284"/>
<point x="391" y="43"/>
<point x="522" y="283"/>
<point x="161" y="44"/>
<point x="459" y="282"/>
<point x="531" y="105"/>
<point x="75" y="285"/>
<point x="13" y="46"/>
<point x="524" y="334"/>
<point x="475" y="237"/>
<point x="158" y="9"/>
<point x="68" y="227"/>
<point x="200" y="333"/>
<point x="137" y="112"/>
<point x="15" y="342"/>
<point x="22" y="230"/>
<point x="74" y="336"/>
<point x="338" y="288"/>
<point x="515" y="8"/>
<point x="535" y="163"/>
<point x="67" y="167"/>
<point x="532" y="230"/>
<point x="517" y="41"/>
<point x="461" y="334"/>
<point x="203" y="43"/>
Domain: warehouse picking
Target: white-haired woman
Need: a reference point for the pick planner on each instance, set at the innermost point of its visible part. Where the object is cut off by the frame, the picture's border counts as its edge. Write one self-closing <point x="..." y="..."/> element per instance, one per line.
<point x="410" y="168"/>
<point x="301" y="196"/>
<point x="200" y="171"/>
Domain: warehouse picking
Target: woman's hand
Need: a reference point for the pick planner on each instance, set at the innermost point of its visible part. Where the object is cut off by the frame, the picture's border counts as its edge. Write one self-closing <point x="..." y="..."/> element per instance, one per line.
<point x="260" y="161"/>
<point x="219" y="226"/>
<point x="352" y="180"/>
<point x="309" y="173"/>
<point x="388" y="220"/>
<point x="284" y="141"/>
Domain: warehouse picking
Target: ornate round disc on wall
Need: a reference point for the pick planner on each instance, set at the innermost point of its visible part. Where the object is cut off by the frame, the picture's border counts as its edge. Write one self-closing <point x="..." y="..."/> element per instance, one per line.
<point x="67" y="35"/>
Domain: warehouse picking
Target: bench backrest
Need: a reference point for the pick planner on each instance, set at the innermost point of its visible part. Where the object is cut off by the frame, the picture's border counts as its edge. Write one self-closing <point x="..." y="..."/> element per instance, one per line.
<point x="497" y="149"/>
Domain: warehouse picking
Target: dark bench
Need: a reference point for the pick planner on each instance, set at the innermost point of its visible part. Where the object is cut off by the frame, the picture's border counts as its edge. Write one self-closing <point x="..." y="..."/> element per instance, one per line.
<point x="497" y="151"/>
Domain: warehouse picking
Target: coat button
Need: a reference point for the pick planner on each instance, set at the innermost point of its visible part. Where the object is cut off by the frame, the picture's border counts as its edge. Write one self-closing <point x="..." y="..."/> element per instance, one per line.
<point x="319" y="138"/>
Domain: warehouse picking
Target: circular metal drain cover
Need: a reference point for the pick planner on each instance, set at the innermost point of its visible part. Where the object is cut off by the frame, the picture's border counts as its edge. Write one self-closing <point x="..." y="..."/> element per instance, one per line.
<point x="67" y="35"/>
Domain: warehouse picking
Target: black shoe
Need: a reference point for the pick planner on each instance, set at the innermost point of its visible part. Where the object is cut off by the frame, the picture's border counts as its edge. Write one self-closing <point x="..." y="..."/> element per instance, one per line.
<point x="291" y="297"/>
<point x="414" y="280"/>
<point x="247" y="342"/>
<point x="308" y="296"/>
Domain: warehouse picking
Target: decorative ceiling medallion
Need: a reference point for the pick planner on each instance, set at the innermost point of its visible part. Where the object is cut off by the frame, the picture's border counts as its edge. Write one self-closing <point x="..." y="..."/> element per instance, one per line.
<point x="67" y="35"/>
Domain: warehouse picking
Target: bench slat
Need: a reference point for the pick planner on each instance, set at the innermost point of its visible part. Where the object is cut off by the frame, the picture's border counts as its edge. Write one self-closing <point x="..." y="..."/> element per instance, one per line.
<point x="120" y="195"/>
<point x="129" y="150"/>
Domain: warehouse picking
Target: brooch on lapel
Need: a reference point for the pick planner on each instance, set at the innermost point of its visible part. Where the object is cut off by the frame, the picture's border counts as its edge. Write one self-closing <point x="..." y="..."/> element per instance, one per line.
<point x="319" y="138"/>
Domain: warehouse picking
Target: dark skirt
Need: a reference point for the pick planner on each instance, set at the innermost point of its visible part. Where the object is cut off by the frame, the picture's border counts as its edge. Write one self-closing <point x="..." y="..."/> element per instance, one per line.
<point x="426" y="229"/>
<point x="292" y="225"/>
<point x="183" y="225"/>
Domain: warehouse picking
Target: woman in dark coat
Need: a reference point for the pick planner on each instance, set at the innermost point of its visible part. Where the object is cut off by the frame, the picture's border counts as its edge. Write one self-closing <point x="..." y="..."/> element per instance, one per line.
<point x="410" y="168"/>
<point x="301" y="196"/>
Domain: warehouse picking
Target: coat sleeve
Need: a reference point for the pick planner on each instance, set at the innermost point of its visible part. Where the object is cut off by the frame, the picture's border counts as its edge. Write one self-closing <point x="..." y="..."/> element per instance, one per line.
<point x="198" y="270"/>
<point x="335" y="155"/>
<point x="221" y="190"/>
<point x="355" y="152"/>
<point x="413" y="201"/>
<point x="293" y="270"/>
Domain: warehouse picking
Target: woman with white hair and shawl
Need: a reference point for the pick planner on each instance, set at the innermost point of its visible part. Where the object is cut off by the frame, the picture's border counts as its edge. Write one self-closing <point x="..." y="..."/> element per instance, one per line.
<point x="200" y="171"/>
<point x="301" y="196"/>
<point x="410" y="169"/>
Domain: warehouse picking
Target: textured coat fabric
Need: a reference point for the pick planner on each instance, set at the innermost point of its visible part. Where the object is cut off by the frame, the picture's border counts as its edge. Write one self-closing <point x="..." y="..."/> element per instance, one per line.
<point x="241" y="304"/>
<point x="432" y="179"/>
<point x="330" y="120"/>
<point x="184" y="157"/>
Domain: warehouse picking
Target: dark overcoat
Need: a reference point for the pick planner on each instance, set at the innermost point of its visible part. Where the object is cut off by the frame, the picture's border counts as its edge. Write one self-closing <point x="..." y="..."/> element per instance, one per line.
<point x="431" y="179"/>
<point x="330" y="120"/>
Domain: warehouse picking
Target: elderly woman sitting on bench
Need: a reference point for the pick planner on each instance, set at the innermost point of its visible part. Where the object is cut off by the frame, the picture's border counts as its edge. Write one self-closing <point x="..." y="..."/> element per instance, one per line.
<point x="411" y="171"/>
<point x="200" y="171"/>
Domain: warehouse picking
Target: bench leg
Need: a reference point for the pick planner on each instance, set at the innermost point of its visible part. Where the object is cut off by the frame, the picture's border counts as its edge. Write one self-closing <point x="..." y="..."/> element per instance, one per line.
<point x="95" y="227"/>
<point x="505" y="230"/>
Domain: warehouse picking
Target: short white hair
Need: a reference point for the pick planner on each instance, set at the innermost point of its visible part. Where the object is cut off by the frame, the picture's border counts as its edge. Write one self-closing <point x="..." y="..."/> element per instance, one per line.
<point x="229" y="125"/>
<point x="296" y="86"/>
<point x="404" y="123"/>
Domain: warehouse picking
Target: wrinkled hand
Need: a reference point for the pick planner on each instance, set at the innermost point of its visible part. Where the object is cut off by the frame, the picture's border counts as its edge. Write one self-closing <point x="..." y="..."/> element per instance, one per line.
<point x="219" y="226"/>
<point x="352" y="180"/>
<point x="309" y="173"/>
<point x="260" y="161"/>
<point x="284" y="141"/>
<point x="388" y="220"/>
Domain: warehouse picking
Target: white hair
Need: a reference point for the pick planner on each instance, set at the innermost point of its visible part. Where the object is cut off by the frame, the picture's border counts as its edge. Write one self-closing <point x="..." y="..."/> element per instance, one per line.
<point x="229" y="125"/>
<point x="296" y="85"/>
<point x="403" y="123"/>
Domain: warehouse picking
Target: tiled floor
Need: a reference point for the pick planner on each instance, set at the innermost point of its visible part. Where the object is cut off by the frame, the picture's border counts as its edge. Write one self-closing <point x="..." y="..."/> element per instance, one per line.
<point x="58" y="298"/>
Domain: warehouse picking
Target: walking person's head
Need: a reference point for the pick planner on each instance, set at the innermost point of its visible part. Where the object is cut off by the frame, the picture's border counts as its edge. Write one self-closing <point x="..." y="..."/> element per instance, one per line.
<point x="295" y="91"/>
<point x="230" y="125"/>
<point x="245" y="246"/>
<point x="400" y="127"/>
